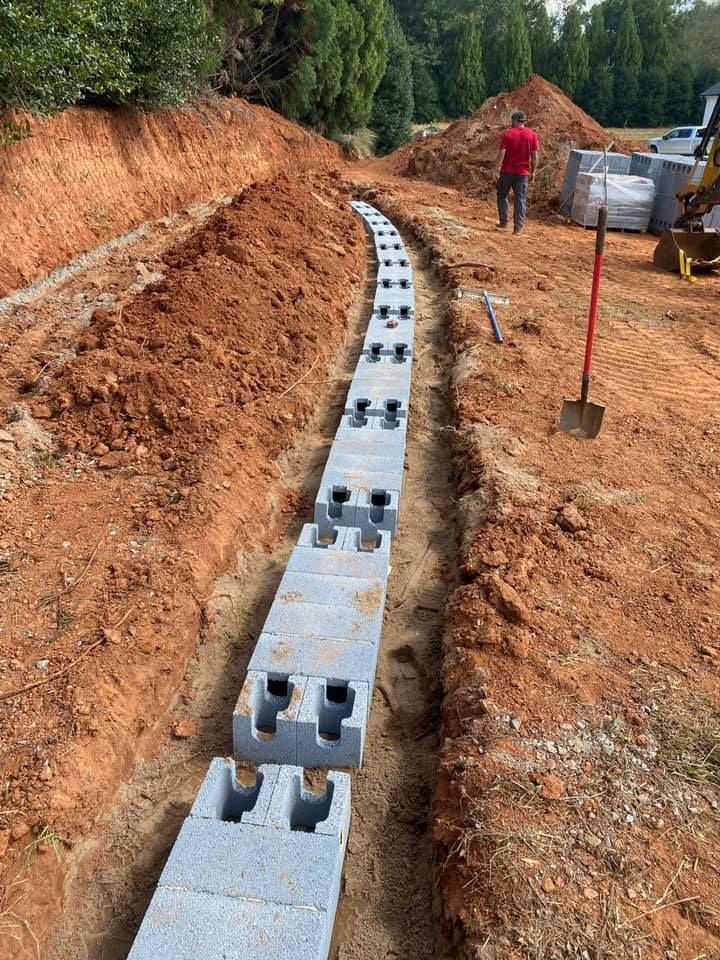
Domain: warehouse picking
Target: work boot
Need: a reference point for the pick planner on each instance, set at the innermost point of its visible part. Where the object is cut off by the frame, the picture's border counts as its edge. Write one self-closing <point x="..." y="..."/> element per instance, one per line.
<point x="517" y="231"/>
<point x="501" y="225"/>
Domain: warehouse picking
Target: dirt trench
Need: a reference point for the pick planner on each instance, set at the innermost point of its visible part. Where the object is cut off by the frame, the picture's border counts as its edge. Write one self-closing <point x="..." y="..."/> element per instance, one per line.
<point x="387" y="906"/>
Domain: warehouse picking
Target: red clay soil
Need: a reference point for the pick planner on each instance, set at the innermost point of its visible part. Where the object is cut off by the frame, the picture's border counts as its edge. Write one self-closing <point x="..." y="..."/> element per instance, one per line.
<point x="464" y="154"/>
<point x="163" y="433"/>
<point x="578" y="802"/>
<point x="89" y="174"/>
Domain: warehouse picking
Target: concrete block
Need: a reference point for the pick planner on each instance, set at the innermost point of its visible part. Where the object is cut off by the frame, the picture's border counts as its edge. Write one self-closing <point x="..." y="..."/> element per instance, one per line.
<point x="380" y="544"/>
<point x="295" y="808"/>
<point x="180" y="925"/>
<point x="358" y="565"/>
<point x="377" y="510"/>
<point x="359" y="405"/>
<point x="287" y="867"/>
<point x="366" y="442"/>
<point x="359" y="474"/>
<point x="392" y="246"/>
<point x="364" y="594"/>
<point x="394" y="274"/>
<point x="265" y="718"/>
<point x="223" y="797"/>
<point x="395" y="300"/>
<point x="396" y="350"/>
<point x="318" y="621"/>
<point x="335" y="506"/>
<point x="310" y="537"/>
<point x="332" y="724"/>
<point x="338" y="661"/>
<point x="393" y="387"/>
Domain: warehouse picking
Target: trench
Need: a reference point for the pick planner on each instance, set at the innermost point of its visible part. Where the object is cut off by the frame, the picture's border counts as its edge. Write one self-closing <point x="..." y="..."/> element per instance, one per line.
<point x="387" y="908"/>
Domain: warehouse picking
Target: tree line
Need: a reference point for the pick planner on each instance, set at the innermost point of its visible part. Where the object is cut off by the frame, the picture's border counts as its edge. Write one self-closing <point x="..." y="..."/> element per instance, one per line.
<point x="626" y="62"/>
<point x="342" y="65"/>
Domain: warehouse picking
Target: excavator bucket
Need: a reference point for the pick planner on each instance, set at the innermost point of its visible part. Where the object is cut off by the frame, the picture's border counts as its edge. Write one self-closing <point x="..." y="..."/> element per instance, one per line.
<point x="682" y="251"/>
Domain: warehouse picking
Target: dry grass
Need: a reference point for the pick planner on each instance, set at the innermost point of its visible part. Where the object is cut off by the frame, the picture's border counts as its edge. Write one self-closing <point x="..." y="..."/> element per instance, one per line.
<point x="12" y="926"/>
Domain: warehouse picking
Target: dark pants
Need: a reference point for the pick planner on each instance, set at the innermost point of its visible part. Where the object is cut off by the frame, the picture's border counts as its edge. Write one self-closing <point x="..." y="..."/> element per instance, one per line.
<point x="519" y="186"/>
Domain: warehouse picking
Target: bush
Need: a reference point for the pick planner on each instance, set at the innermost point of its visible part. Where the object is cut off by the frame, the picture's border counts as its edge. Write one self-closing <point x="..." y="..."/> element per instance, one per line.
<point x="54" y="53"/>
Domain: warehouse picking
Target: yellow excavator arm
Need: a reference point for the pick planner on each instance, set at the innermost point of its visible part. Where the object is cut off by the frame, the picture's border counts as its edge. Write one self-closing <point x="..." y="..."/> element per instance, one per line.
<point x="689" y="244"/>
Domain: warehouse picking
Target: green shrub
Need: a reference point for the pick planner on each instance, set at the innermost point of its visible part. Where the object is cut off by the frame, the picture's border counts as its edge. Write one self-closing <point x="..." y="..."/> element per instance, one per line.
<point x="54" y="53"/>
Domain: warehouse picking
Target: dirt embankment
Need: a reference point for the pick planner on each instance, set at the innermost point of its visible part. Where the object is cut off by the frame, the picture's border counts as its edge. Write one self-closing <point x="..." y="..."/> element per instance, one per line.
<point x="463" y="156"/>
<point x="135" y="471"/>
<point x="578" y="794"/>
<point x="89" y="174"/>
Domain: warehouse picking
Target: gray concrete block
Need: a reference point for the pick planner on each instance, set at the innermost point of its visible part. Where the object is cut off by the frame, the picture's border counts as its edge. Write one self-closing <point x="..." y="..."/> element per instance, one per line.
<point x="286" y="867"/>
<point x="332" y="724"/>
<point x="326" y="813"/>
<point x="366" y="442"/>
<point x="390" y="245"/>
<point x="339" y="661"/>
<point x="180" y="925"/>
<point x="360" y="405"/>
<point x="359" y="474"/>
<point x="366" y="595"/>
<point x="394" y="275"/>
<point x="265" y="718"/>
<point x="394" y="300"/>
<point x="392" y="258"/>
<point x="335" y="506"/>
<point x="393" y="327"/>
<point x="223" y="797"/>
<point x="310" y="537"/>
<point x="386" y="391"/>
<point x="318" y="621"/>
<point x="377" y="510"/>
<point x="358" y="565"/>
<point x="396" y="350"/>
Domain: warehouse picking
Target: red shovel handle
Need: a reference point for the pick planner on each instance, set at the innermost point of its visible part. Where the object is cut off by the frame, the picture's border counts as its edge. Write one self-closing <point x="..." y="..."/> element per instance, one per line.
<point x="592" y="319"/>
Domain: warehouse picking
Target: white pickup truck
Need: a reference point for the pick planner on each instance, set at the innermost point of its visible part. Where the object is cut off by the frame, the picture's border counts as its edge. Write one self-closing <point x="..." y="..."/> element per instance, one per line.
<point x="680" y="140"/>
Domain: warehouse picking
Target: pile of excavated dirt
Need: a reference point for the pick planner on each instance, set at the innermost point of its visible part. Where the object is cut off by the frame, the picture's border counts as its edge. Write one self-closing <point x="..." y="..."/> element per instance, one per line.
<point x="464" y="155"/>
<point x="231" y="326"/>
<point x="82" y="177"/>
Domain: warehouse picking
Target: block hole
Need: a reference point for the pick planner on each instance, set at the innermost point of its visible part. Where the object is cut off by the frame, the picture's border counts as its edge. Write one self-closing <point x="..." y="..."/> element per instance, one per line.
<point x="384" y="311"/>
<point x="404" y="311"/>
<point x="405" y="284"/>
<point x="336" y="704"/>
<point x="392" y="409"/>
<point x="387" y="263"/>
<point x="399" y="352"/>
<point x="305" y="811"/>
<point x="359" y="409"/>
<point x="375" y="350"/>
<point x="383" y="246"/>
<point x="338" y="497"/>
<point x="325" y="540"/>
<point x="238" y="798"/>
<point x="397" y="246"/>
<point x="379" y="499"/>
<point x="404" y="263"/>
<point x="386" y="284"/>
<point x="269" y="698"/>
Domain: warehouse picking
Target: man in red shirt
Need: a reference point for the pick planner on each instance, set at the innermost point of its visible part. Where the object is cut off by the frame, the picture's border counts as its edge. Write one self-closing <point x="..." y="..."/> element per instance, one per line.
<point x="514" y="169"/>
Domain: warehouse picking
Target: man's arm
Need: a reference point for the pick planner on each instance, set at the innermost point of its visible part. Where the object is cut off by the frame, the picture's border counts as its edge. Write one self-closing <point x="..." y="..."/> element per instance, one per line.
<point x="533" y="163"/>
<point x="499" y="161"/>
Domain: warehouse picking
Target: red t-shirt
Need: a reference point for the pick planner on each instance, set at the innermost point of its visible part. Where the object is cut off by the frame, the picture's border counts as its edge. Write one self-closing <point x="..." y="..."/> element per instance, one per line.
<point x="518" y="143"/>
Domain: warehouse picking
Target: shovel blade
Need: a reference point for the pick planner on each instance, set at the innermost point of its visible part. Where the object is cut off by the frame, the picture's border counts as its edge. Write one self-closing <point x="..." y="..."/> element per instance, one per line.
<point x="582" y="420"/>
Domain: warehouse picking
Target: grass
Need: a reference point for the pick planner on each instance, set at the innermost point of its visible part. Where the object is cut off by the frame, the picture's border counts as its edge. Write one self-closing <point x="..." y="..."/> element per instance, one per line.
<point x="48" y="837"/>
<point x="690" y="738"/>
<point x="362" y="142"/>
<point x="637" y="133"/>
<point x="13" y="926"/>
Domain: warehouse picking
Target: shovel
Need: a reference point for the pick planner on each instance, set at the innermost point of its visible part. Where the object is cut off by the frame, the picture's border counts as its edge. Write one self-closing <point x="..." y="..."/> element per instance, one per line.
<point x="580" y="418"/>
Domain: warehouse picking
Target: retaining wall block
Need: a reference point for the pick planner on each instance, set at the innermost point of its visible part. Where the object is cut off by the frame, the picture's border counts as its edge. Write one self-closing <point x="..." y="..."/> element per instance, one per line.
<point x="265" y="718"/>
<point x="180" y="925"/>
<point x="394" y="274"/>
<point x="369" y="510"/>
<point x="222" y="797"/>
<point x="356" y="564"/>
<point x="332" y="724"/>
<point x="319" y="621"/>
<point x="338" y="661"/>
<point x="397" y="350"/>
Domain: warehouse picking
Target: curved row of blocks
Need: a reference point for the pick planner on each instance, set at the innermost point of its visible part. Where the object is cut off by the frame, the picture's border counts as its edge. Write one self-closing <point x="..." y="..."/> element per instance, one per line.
<point x="255" y="872"/>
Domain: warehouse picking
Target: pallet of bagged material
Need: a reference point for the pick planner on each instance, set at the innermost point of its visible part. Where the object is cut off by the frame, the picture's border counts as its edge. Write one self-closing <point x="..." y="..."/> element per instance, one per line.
<point x="629" y="200"/>
<point x="588" y="161"/>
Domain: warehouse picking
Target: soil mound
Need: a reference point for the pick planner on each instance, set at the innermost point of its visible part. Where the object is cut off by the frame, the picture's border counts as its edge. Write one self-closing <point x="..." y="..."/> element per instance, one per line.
<point x="464" y="155"/>
<point x="234" y="323"/>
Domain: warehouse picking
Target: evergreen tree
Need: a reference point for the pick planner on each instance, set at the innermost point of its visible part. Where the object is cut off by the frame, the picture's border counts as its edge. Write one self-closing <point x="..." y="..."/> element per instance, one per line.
<point x="542" y="41"/>
<point x="596" y="96"/>
<point x="506" y="47"/>
<point x="573" y="57"/>
<point x="466" y="81"/>
<point x="425" y="90"/>
<point x="680" y="101"/>
<point x="653" y="17"/>
<point x="393" y="105"/>
<point x="652" y="101"/>
<point x="627" y="61"/>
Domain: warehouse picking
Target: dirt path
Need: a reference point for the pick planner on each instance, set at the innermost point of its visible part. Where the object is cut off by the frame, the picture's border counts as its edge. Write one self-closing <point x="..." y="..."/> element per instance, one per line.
<point x="387" y="907"/>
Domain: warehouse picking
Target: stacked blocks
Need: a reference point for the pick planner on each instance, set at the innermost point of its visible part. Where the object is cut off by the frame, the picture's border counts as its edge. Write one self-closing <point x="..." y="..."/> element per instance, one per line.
<point x="256" y="870"/>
